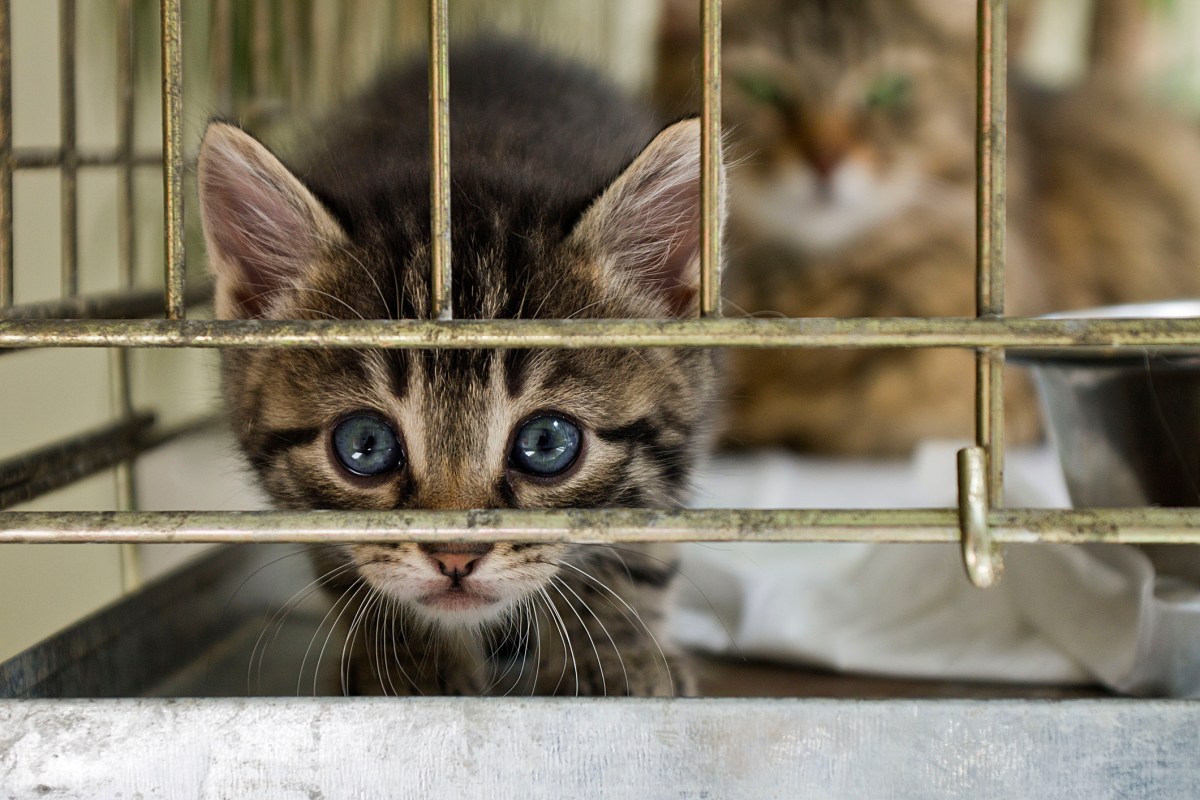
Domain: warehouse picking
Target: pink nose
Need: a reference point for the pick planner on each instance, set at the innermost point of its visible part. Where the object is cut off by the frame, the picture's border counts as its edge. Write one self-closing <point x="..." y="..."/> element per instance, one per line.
<point x="456" y="565"/>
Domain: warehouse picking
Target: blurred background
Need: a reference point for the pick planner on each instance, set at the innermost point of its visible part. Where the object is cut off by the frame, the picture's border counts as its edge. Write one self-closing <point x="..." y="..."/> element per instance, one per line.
<point x="282" y="63"/>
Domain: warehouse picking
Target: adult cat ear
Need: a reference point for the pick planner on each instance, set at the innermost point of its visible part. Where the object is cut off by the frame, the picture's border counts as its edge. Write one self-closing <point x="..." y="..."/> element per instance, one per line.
<point x="262" y="227"/>
<point x="645" y="227"/>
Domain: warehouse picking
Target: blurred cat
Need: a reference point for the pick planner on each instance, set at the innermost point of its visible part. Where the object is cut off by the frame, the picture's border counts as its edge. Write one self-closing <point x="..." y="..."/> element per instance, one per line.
<point x="854" y="125"/>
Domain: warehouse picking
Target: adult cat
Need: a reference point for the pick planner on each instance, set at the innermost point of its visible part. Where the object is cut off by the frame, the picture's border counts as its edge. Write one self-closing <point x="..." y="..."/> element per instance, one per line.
<point x="853" y="123"/>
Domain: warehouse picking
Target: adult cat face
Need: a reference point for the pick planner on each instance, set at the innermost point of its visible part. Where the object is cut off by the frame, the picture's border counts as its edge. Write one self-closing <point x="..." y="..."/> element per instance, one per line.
<point x="842" y="115"/>
<point x="376" y="429"/>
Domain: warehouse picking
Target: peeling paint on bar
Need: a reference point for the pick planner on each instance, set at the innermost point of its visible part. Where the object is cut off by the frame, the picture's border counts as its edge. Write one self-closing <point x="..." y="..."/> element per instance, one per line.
<point x="821" y="332"/>
<point x="937" y="525"/>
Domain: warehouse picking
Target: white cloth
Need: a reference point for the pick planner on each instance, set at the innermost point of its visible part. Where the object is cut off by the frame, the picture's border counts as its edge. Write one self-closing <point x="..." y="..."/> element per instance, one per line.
<point x="1060" y="615"/>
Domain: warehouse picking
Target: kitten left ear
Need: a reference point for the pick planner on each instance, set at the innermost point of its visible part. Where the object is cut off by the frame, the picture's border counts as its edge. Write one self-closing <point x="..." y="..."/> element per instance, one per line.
<point x="263" y="228"/>
<point x="645" y="227"/>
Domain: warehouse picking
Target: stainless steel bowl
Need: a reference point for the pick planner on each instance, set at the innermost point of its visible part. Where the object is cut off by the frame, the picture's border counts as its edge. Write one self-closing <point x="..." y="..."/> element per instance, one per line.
<point x="1126" y="423"/>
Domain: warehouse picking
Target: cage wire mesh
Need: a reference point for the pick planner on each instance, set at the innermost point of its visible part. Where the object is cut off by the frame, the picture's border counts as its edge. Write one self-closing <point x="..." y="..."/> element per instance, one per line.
<point x="273" y="63"/>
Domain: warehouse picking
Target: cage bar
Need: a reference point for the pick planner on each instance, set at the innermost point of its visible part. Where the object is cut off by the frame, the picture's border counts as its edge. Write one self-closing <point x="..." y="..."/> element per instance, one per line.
<point x="172" y="157"/>
<point x="125" y="474"/>
<point x="221" y="65"/>
<point x="991" y="153"/>
<point x="799" y="332"/>
<point x="52" y="158"/>
<point x="6" y="150"/>
<point x="260" y="67"/>
<point x="108" y="306"/>
<point x="710" y="162"/>
<point x="68" y="134"/>
<point x="33" y="474"/>
<point x="603" y="526"/>
<point x="439" y="142"/>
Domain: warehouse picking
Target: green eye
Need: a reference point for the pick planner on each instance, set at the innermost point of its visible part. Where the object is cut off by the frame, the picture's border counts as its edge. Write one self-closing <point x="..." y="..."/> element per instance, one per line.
<point x="759" y="88"/>
<point x="889" y="91"/>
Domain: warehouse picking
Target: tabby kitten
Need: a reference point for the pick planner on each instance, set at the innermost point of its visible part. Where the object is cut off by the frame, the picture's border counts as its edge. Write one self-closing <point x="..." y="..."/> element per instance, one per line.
<point x="853" y="122"/>
<point x="565" y="204"/>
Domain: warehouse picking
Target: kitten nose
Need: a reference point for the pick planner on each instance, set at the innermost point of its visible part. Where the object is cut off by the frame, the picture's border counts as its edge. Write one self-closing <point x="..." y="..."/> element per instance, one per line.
<point x="457" y="561"/>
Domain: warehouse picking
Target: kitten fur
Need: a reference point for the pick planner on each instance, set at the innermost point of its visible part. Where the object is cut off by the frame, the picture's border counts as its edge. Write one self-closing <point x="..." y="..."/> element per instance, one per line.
<point x="567" y="203"/>
<point x="852" y="125"/>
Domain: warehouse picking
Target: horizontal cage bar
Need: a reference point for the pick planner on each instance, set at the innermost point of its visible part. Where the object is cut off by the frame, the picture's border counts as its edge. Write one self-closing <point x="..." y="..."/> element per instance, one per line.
<point x="609" y="333"/>
<point x="594" y="526"/>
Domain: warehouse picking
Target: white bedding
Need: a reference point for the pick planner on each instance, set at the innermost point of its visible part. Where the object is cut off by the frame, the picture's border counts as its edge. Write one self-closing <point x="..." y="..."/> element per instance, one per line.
<point x="1061" y="614"/>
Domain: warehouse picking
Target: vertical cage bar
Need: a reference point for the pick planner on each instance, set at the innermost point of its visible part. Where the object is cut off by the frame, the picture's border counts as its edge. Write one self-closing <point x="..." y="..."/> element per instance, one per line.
<point x="68" y="153"/>
<point x="293" y="54"/>
<point x="439" y="136"/>
<point x="710" y="162"/>
<point x="991" y="146"/>
<point x="127" y="257"/>
<point x="222" y="54"/>
<point x="172" y="108"/>
<point x="260" y="68"/>
<point x="122" y="394"/>
<point x="6" y="157"/>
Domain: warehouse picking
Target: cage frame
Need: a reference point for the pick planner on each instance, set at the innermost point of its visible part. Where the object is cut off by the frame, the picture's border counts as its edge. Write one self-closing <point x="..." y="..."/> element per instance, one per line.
<point x="89" y="321"/>
<point x="751" y="747"/>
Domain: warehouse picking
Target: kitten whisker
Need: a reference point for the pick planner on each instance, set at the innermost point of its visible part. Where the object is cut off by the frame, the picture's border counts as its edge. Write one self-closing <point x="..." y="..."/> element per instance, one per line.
<point x="347" y="599"/>
<point x="599" y="662"/>
<point x="666" y="662"/>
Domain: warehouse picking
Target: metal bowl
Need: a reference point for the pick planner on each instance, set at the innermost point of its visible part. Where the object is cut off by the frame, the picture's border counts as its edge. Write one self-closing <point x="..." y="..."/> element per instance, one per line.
<point x="1126" y="422"/>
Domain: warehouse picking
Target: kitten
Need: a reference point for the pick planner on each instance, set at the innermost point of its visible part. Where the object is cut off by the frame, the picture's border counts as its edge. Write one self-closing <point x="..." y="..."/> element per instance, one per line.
<point x="565" y="204"/>
<point x="854" y="124"/>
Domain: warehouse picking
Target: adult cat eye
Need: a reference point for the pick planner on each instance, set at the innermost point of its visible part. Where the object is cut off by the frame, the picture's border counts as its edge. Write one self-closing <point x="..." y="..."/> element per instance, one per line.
<point x="366" y="445"/>
<point x="889" y="91"/>
<point x="759" y="88"/>
<point x="545" y="446"/>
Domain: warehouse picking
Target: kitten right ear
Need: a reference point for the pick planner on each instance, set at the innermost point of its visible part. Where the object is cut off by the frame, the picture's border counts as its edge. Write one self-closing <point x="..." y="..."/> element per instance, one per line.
<point x="645" y="227"/>
<point x="262" y="227"/>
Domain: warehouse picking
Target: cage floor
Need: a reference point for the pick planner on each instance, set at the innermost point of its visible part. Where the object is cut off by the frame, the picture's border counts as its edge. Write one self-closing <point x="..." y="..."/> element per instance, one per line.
<point x="248" y="621"/>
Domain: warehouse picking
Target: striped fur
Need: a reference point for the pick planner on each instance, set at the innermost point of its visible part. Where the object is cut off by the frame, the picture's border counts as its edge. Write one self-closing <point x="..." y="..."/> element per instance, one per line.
<point x="854" y="196"/>
<point x="565" y="204"/>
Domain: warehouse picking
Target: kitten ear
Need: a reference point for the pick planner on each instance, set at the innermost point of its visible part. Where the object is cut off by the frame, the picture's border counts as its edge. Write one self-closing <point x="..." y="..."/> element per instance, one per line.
<point x="645" y="227"/>
<point x="262" y="227"/>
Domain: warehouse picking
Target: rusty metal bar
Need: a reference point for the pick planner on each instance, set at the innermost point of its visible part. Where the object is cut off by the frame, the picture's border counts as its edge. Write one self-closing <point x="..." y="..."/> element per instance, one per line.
<point x="117" y="305"/>
<point x="439" y="142"/>
<point x="981" y="557"/>
<point x="172" y="121"/>
<point x="126" y="112"/>
<point x="294" y="55"/>
<point x="991" y="146"/>
<point x="120" y="381"/>
<point x="586" y="526"/>
<point x="261" y="39"/>
<point x="33" y="474"/>
<point x="222" y="53"/>
<point x="6" y="148"/>
<point x="69" y="200"/>
<point x="710" y="162"/>
<point x="817" y="332"/>
<point x="52" y="158"/>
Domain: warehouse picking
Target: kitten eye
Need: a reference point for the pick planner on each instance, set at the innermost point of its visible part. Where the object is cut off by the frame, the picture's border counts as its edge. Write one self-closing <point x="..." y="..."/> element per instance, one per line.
<point x="366" y="445"/>
<point x="760" y="88"/>
<point x="889" y="91"/>
<point x="545" y="445"/>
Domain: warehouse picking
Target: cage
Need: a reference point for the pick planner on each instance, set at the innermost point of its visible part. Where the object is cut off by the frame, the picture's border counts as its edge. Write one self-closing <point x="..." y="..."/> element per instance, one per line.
<point x="157" y="677"/>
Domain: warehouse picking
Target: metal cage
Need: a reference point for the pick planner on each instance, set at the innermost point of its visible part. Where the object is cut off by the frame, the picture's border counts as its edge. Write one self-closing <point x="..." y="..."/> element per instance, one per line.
<point x="981" y="522"/>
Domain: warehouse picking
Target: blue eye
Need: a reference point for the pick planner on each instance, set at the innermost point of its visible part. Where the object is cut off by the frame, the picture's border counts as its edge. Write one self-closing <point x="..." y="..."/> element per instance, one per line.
<point x="366" y="445"/>
<point x="545" y="445"/>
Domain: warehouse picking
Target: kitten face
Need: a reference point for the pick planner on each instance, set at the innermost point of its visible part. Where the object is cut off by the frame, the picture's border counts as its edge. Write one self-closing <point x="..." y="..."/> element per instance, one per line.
<point x="844" y="116"/>
<point x="395" y="430"/>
